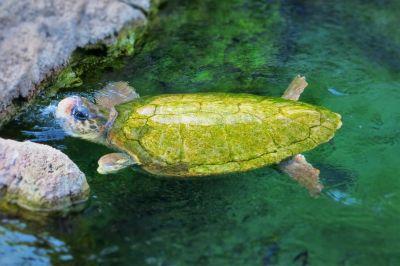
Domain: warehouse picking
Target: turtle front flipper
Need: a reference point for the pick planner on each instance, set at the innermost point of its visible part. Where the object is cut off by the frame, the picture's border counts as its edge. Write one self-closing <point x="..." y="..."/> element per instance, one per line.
<point x="297" y="167"/>
<point x="113" y="162"/>
<point x="115" y="93"/>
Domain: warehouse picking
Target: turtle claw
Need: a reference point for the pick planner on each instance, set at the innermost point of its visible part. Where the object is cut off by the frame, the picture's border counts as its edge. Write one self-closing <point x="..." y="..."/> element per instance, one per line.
<point x="303" y="172"/>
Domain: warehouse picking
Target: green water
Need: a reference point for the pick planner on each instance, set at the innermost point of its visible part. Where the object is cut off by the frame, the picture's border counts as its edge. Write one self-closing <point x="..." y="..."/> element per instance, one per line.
<point x="349" y="51"/>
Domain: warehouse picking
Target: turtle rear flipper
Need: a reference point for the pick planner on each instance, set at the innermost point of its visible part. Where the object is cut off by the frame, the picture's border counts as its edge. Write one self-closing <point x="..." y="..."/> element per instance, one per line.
<point x="115" y="93"/>
<point x="303" y="172"/>
<point x="297" y="167"/>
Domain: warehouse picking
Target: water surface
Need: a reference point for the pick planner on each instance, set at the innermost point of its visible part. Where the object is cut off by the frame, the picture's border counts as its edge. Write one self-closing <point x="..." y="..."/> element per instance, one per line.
<point x="349" y="52"/>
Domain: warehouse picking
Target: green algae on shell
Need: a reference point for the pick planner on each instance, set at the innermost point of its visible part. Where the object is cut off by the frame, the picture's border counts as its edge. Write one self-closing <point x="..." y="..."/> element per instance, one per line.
<point x="215" y="133"/>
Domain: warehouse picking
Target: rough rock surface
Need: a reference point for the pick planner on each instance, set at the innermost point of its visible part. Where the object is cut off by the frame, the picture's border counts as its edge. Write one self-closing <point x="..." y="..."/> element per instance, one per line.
<point x="38" y="177"/>
<point x="38" y="36"/>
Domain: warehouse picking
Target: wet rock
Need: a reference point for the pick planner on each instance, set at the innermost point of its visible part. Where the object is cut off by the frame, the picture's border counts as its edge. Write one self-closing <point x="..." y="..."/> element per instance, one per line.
<point x="38" y="37"/>
<point x="38" y="177"/>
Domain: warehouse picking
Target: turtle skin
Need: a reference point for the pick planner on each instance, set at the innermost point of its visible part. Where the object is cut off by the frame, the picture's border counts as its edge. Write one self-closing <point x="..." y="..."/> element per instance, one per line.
<point x="217" y="133"/>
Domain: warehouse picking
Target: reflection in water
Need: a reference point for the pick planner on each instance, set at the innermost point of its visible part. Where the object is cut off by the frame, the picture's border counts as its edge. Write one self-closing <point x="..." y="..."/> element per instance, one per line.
<point x="342" y="197"/>
<point x="18" y="247"/>
<point x="44" y="134"/>
<point x="336" y="92"/>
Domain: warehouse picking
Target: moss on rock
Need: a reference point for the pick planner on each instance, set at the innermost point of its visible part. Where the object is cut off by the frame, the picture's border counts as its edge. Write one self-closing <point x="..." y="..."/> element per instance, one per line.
<point x="94" y="59"/>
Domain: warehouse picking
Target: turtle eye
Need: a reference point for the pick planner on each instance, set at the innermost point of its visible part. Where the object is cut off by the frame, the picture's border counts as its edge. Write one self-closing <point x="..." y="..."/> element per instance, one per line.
<point x="80" y="113"/>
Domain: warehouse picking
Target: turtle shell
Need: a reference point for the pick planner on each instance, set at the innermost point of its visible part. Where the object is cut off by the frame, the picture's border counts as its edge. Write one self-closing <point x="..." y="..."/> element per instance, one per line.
<point x="216" y="133"/>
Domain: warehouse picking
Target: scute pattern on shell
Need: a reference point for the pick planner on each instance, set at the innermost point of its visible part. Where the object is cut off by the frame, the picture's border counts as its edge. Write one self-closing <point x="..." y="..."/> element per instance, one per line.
<point x="214" y="133"/>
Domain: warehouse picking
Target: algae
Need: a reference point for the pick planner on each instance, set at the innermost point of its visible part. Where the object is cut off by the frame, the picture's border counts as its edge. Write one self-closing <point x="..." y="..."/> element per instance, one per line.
<point x="212" y="132"/>
<point x="94" y="59"/>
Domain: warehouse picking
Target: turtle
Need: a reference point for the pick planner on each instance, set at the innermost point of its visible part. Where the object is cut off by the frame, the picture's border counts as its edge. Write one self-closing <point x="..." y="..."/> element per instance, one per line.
<point x="201" y="134"/>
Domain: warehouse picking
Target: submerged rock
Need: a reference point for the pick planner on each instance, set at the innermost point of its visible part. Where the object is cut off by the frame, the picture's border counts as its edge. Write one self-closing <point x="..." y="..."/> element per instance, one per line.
<point x="38" y="177"/>
<point x="38" y="37"/>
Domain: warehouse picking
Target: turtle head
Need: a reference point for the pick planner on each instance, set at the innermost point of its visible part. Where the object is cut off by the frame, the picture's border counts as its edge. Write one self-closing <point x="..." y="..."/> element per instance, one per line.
<point x="81" y="118"/>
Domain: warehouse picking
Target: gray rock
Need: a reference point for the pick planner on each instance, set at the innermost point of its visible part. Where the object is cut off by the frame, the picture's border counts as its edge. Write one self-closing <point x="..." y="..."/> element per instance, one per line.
<point x="38" y="37"/>
<point x="38" y="177"/>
